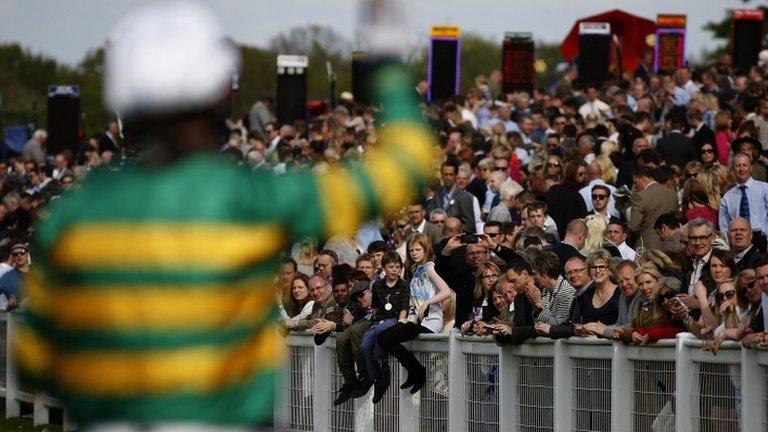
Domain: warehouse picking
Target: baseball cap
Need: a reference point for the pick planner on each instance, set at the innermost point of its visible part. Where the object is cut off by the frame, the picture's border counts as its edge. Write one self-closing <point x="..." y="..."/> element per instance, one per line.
<point x="359" y="288"/>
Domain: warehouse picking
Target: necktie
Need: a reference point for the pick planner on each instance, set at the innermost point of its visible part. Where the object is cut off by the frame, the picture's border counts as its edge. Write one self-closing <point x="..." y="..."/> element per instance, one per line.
<point x="744" y="204"/>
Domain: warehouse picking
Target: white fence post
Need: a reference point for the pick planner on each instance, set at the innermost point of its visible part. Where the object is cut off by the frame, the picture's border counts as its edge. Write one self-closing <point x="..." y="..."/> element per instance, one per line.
<point x="321" y="382"/>
<point x="685" y="375"/>
<point x="457" y="381"/>
<point x="621" y="389"/>
<point x="508" y="379"/>
<point x="282" y="398"/>
<point x="563" y="382"/>
<point x="12" y="408"/>
<point x="751" y="391"/>
<point x="409" y="405"/>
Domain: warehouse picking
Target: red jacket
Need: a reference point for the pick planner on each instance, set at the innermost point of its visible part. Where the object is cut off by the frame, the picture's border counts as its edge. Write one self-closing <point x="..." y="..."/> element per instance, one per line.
<point x="665" y="330"/>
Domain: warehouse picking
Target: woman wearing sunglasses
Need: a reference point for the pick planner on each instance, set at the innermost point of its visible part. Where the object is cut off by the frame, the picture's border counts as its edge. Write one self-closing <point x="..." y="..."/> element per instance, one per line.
<point x="707" y="154"/>
<point x="653" y="320"/>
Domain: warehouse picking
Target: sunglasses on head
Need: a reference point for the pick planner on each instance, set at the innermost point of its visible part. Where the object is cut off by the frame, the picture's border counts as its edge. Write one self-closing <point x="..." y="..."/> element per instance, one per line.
<point x="719" y="296"/>
<point x="668" y="295"/>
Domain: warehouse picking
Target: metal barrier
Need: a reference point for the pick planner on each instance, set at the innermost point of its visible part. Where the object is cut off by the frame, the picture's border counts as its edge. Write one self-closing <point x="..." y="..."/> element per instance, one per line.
<point x="543" y="385"/>
<point x="11" y="389"/>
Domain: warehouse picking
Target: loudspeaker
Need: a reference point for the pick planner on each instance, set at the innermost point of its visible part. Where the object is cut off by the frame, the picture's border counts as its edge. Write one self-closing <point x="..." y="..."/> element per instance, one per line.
<point x="291" y="98"/>
<point x="747" y="38"/>
<point x="361" y="77"/>
<point x="517" y="57"/>
<point x="63" y="118"/>
<point x="594" y="55"/>
<point x="443" y="72"/>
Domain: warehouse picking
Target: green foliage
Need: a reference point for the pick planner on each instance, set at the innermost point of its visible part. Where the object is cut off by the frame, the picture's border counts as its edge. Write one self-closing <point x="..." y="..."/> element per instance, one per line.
<point x="721" y="30"/>
<point x="479" y="56"/>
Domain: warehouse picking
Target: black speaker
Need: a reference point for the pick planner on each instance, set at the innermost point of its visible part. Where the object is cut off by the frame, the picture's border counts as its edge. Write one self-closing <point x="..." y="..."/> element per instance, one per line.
<point x="747" y="38"/>
<point x="291" y="98"/>
<point x="517" y="57"/>
<point x="443" y="73"/>
<point x="361" y="77"/>
<point x="594" y="54"/>
<point x="63" y="119"/>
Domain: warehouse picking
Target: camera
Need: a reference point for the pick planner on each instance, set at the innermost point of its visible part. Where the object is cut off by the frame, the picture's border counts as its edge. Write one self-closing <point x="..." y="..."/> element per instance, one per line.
<point x="469" y="239"/>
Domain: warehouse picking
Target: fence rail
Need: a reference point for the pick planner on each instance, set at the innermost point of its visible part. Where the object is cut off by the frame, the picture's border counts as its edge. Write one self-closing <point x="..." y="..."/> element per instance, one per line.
<point x="566" y="385"/>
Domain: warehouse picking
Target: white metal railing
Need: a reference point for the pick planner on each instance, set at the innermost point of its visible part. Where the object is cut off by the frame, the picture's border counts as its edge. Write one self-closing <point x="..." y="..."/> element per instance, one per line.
<point x="11" y="389"/>
<point x="566" y="385"/>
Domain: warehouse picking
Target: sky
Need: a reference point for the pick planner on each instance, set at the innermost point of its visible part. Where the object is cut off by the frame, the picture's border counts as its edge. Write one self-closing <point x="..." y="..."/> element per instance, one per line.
<point x="67" y="29"/>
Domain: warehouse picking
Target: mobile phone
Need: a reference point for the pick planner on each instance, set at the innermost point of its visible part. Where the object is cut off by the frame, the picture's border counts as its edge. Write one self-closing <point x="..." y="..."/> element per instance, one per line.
<point x="469" y="239"/>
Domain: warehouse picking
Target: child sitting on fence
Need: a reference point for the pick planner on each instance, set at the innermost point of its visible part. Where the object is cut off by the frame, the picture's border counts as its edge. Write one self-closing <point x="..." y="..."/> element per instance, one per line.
<point x="390" y="305"/>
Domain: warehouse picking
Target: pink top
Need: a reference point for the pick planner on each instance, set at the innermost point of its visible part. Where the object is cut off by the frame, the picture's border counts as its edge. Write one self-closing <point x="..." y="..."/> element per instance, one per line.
<point x="723" y="145"/>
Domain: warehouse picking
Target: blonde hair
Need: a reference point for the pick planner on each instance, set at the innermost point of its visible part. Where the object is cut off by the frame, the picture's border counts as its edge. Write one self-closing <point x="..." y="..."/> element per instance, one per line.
<point x="721" y="120"/>
<point x="609" y="169"/>
<point x="596" y="226"/>
<point x="659" y="260"/>
<point x="709" y="179"/>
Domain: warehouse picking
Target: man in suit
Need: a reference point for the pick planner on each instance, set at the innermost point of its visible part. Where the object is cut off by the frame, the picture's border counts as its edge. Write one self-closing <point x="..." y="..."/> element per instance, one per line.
<point x="701" y="237"/>
<point x="649" y="201"/>
<point x="456" y="202"/>
<point x="575" y="236"/>
<point x="701" y="133"/>
<point x="740" y="241"/>
<point x="419" y="224"/>
<point x="627" y="169"/>
<point x="676" y="148"/>
<point x="563" y="205"/>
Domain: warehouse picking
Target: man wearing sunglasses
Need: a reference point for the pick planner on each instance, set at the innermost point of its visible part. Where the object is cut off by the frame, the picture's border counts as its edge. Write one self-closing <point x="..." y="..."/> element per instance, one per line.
<point x="600" y="197"/>
<point x="756" y="333"/>
<point x="11" y="283"/>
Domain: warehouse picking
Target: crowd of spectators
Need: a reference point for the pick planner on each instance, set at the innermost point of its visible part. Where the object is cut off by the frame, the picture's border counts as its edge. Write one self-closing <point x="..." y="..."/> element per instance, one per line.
<point x="631" y="211"/>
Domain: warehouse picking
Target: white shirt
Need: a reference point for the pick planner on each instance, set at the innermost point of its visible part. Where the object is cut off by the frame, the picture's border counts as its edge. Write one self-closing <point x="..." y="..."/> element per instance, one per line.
<point x="598" y="109"/>
<point x="698" y="265"/>
<point x="757" y="195"/>
<point x="626" y="252"/>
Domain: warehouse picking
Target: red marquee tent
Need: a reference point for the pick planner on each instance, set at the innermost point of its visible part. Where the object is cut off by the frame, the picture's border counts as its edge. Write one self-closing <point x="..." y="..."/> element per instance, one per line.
<point x="631" y="30"/>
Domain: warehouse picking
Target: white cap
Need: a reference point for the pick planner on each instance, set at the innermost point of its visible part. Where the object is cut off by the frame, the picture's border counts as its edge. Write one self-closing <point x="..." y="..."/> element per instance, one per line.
<point x="168" y="58"/>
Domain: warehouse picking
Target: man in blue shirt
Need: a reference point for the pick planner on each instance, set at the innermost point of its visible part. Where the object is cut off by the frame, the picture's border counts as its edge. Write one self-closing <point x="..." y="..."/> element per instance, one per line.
<point x="748" y="199"/>
<point x="11" y="282"/>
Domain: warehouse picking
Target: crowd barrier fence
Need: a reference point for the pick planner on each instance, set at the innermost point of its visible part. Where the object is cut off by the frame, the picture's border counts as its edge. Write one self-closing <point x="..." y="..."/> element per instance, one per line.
<point x="575" y="384"/>
<point x="15" y="393"/>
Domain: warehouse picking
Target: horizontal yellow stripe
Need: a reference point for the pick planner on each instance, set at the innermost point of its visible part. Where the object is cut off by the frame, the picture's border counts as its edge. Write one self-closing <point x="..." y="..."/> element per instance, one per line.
<point x="129" y="373"/>
<point x="390" y="183"/>
<point x="121" y="308"/>
<point x="415" y="143"/>
<point x="156" y="245"/>
<point x="33" y="355"/>
<point x="341" y="202"/>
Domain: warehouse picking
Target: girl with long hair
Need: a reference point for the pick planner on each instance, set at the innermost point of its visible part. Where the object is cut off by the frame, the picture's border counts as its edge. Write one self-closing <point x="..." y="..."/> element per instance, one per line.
<point x="696" y="202"/>
<point x="428" y="292"/>
<point x="301" y="300"/>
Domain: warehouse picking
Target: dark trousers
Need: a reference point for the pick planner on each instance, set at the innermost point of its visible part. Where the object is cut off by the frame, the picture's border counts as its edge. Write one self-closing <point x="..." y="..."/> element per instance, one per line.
<point x="391" y="340"/>
<point x="348" y="351"/>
